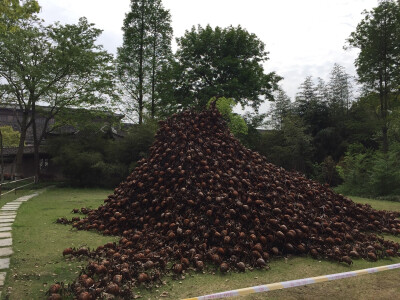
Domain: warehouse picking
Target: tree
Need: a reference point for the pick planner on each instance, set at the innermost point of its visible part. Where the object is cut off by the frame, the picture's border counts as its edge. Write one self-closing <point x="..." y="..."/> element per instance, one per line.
<point x="321" y="90"/>
<point x="254" y="121"/>
<point x="94" y="157"/>
<point x="57" y="65"/>
<point x="236" y="123"/>
<point x="167" y="89"/>
<point x="279" y="109"/>
<point x="290" y="147"/>
<point x="338" y="100"/>
<point x="378" y="38"/>
<point x="340" y="90"/>
<point x="8" y="138"/>
<point x="310" y="106"/>
<point x="394" y="128"/>
<point x="12" y="11"/>
<point x="306" y="95"/>
<point x="82" y="157"/>
<point x="222" y="62"/>
<point x="298" y="144"/>
<point x="146" y="48"/>
<point x="161" y="36"/>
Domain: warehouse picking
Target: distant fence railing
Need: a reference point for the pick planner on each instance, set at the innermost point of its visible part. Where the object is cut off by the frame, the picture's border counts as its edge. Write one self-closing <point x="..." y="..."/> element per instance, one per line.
<point x="9" y="186"/>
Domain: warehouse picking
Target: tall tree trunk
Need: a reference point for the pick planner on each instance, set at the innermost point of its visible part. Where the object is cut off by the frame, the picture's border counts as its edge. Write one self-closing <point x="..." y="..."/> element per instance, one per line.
<point x="385" y="141"/>
<point x="36" y="144"/>
<point x="153" y="75"/>
<point x="141" y="54"/>
<point x="20" y="152"/>
<point x="384" y="87"/>
<point x="383" y="104"/>
<point x="153" y="84"/>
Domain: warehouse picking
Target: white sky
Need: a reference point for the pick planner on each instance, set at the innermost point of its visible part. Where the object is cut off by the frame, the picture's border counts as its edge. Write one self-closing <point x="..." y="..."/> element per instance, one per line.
<point x="303" y="37"/>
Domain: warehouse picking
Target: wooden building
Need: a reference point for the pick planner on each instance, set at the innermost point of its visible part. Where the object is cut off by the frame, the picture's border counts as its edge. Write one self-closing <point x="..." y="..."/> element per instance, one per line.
<point x="11" y="116"/>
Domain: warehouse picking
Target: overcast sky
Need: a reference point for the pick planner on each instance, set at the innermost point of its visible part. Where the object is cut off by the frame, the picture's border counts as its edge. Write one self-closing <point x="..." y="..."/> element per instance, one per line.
<point x="303" y="37"/>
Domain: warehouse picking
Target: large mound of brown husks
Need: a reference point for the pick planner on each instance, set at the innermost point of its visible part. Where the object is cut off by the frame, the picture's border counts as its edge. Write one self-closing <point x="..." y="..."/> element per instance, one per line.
<point x="202" y="199"/>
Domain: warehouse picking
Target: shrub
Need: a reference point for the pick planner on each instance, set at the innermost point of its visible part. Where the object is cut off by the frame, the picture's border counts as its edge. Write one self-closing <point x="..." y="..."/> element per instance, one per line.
<point x="370" y="173"/>
<point x="326" y="172"/>
<point x="92" y="158"/>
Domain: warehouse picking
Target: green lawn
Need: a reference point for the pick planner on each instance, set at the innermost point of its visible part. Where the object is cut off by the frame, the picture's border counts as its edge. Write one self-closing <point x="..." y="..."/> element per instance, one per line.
<point x="378" y="204"/>
<point x="38" y="242"/>
<point x="12" y="196"/>
<point x="38" y="261"/>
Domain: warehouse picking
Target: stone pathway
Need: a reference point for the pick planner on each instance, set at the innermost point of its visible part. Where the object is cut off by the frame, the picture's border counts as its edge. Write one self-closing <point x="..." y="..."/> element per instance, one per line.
<point x="7" y="216"/>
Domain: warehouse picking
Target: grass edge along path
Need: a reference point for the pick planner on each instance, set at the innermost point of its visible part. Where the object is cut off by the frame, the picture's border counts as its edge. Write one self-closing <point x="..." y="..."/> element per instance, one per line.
<point x="13" y="196"/>
<point x="7" y="217"/>
<point x="37" y="261"/>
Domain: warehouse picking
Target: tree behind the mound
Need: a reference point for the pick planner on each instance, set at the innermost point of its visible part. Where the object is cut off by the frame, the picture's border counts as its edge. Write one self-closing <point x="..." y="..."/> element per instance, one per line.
<point x="59" y="66"/>
<point x="378" y="63"/>
<point x="221" y="62"/>
<point x="95" y="157"/>
<point x="8" y="138"/>
<point x="340" y="91"/>
<point x="279" y="109"/>
<point x="145" y="50"/>
<point x="236" y="123"/>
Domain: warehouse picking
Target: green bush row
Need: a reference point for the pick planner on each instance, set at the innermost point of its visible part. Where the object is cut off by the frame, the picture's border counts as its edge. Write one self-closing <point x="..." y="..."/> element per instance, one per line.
<point x="371" y="173"/>
<point x="94" y="158"/>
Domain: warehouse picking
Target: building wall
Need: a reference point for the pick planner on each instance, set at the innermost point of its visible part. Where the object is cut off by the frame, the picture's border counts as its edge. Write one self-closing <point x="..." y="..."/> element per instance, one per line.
<point x="10" y="117"/>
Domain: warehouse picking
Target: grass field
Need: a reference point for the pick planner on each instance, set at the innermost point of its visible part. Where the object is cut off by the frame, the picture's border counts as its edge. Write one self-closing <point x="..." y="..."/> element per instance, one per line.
<point x="38" y="242"/>
<point x="38" y="261"/>
<point x="12" y="196"/>
<point x="378" y="204"/>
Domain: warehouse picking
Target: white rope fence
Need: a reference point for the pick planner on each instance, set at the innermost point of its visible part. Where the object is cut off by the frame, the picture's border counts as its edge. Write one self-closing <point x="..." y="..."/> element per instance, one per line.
<point x="15" y="189"/>
<point x="293" y="283"/>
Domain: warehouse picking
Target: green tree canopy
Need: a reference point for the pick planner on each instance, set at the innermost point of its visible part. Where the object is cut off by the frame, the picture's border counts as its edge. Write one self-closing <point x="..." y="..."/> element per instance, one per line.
<point x="12" y="11"/>
<point x="314" y="107"/>
<point x="340" y="90"/>
<point x="10" y="136"/>
<point x="145" y="50"/>
<point x="378" y="63"/>
<point x="310" y="107"/>
<point x="222" y="62"/>
<point x="58" y="65"/>
<point x="236" y="123"/>
<point x="289" y="147"/>
<point x="279" y="109"/>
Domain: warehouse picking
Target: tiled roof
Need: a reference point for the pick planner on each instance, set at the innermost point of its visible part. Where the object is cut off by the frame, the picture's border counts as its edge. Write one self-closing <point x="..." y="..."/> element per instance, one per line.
<point x="11" y="151"/>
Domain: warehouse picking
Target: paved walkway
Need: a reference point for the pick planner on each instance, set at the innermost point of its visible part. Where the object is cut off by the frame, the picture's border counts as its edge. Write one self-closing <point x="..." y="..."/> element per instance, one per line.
<point x="7" y="216"/>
